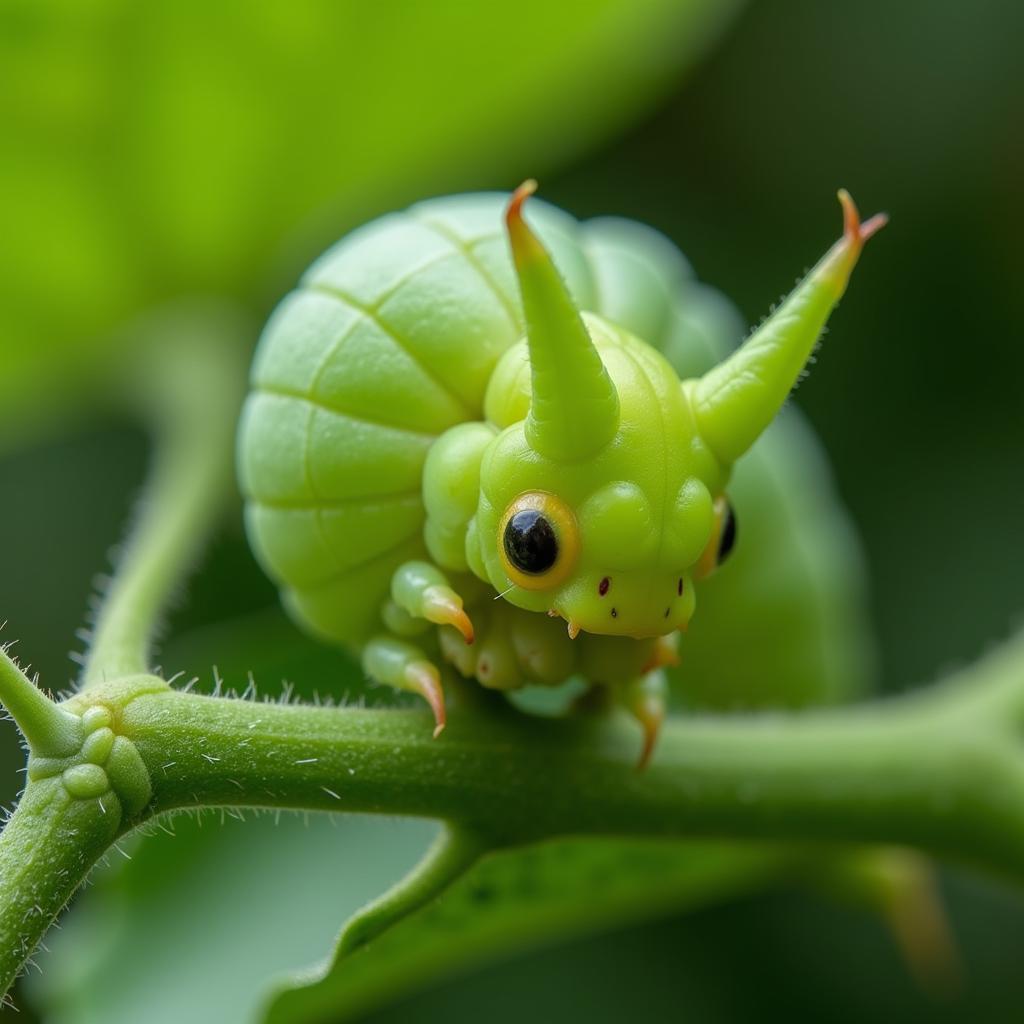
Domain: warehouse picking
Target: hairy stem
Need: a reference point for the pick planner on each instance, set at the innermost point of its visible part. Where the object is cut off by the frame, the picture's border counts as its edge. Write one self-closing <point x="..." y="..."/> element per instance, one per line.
<point x="48" y="729"/>
<point x="47" y="848"/>
<point x="190" y="392"/>
<point x="919" y="772"/>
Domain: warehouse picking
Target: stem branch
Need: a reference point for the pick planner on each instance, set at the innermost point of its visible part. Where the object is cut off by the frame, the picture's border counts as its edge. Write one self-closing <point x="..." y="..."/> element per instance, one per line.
<point x="49" y="730"/>
<point x="189" y="390"/>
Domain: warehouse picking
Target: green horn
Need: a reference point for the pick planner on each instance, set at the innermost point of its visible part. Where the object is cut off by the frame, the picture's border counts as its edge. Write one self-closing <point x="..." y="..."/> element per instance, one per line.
<point x="574" y="410"/>
<point x="735" y="401"/>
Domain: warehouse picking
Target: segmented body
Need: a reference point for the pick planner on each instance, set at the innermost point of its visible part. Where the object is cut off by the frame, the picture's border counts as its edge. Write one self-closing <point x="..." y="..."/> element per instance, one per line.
<point x="391" y="339"/>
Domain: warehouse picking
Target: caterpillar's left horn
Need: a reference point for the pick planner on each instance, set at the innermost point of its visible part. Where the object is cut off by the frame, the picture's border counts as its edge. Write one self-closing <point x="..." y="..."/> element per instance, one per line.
<point x="735" y="401"/>
<point x="574" y="410"/>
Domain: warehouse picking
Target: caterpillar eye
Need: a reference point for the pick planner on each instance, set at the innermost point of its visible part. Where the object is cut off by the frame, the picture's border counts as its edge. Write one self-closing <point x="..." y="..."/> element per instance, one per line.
<point x="727" y="535"/>
<point x="530" y="542"/>
<point x="722" y="540"/>
<point x="539" y="540"/>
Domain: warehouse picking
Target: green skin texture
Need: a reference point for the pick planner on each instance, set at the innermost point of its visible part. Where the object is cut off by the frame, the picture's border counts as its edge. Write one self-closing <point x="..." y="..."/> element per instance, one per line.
<point x="389" y="426"/>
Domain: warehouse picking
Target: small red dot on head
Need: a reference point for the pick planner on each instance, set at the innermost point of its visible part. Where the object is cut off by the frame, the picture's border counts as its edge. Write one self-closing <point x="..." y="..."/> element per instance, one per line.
<point x="602" y="587"/>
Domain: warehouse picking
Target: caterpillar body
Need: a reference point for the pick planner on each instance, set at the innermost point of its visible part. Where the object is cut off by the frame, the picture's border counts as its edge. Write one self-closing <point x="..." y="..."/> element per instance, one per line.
<point x="501" y="448"/>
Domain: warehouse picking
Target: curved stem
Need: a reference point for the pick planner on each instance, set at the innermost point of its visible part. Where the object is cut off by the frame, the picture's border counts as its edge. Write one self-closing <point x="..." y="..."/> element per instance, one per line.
<point x="450" y="856"/>
<point x="455" y="850"/>
<point x="48" y="847"/>
<point x="190" y="391"/>
<point x="187" y="378"/>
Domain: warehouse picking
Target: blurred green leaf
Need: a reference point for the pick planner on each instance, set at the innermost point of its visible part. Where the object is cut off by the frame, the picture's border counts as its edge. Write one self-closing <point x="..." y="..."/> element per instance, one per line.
<point x="519" y="899"/>
<point x="156" y="150"/>
<point x="198" y="922"/>
<point x="195" y="923"/>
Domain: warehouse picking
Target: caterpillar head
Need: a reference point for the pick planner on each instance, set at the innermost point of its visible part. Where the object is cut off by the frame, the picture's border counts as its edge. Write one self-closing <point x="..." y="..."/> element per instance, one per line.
<point x="603" y="500"/>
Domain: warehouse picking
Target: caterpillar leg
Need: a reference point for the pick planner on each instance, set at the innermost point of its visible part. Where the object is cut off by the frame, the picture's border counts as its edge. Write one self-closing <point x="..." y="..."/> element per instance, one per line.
<point x="901" y="886"/>
<point x="513" y="647"/>
<point x="646" y="699"/>
<point x="422" y="591"/>
<point x="665" y="653"/>
<point x="405" y="667"/>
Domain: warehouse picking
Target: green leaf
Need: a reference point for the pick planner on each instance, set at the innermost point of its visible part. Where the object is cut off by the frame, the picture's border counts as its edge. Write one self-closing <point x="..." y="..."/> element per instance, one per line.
<point x="521" y="899"/>
<point x="194" y="924"/>
<point x="215" y="911"/>
<point x="159" y="150"/>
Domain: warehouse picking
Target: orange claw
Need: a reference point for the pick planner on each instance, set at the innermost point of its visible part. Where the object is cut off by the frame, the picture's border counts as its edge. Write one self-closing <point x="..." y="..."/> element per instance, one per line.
<point x="645" y="699"/>
<point x="423" y="678"/>
<point x="650" y="713"/>
<point x="665" y="653"/>
<point x="443" y="606"/>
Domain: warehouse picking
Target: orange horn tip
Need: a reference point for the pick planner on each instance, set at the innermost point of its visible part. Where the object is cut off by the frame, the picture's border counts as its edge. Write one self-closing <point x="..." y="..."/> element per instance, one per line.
<point x="856" y="233"/>
<point x="514" y="213"/>
<point x="526" y="248"/>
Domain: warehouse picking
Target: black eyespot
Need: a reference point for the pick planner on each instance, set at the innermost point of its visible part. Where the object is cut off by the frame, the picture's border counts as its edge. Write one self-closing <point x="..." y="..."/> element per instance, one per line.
<point x="727" y="540"/>
<point x="530" y="542"/>
<point x="679" y="588"/>
<point x="615" y="613"/>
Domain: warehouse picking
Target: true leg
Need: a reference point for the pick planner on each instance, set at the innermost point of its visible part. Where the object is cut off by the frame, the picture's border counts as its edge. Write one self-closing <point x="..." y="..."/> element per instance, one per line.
<point x="405" y="666"/>
<point x="423" y="591"/>
<point x="645" y="698"/>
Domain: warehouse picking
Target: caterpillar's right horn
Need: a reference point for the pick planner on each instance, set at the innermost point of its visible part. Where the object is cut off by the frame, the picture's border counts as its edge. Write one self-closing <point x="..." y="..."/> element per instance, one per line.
<point x="735" y="401"/>
<point x="574" y="409"/>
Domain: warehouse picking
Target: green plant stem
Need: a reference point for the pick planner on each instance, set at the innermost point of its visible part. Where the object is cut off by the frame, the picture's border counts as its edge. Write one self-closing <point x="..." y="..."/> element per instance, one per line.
<point x="47" y="848"/>
<point x="186" y="381"/>
<point x="189" y="390"/>
<point x="48" y="729"/>
<point x="942" y="771"/>
<point x="933" y="772"/>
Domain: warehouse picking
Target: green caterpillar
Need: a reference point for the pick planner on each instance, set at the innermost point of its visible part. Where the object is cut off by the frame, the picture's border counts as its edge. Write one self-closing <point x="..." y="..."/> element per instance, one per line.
<point x="459" y="453"/>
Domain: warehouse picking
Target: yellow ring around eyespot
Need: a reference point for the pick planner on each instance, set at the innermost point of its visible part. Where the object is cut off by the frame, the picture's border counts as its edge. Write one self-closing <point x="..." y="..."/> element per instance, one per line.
<point x="567" y="533"/>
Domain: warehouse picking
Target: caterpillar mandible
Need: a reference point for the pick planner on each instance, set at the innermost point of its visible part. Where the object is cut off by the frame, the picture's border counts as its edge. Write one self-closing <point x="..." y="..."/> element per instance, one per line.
<point x="507" y="449"/>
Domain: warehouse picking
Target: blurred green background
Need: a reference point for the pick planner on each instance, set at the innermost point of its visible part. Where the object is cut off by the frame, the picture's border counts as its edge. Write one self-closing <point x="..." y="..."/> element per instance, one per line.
<point x="156" y="153"/>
